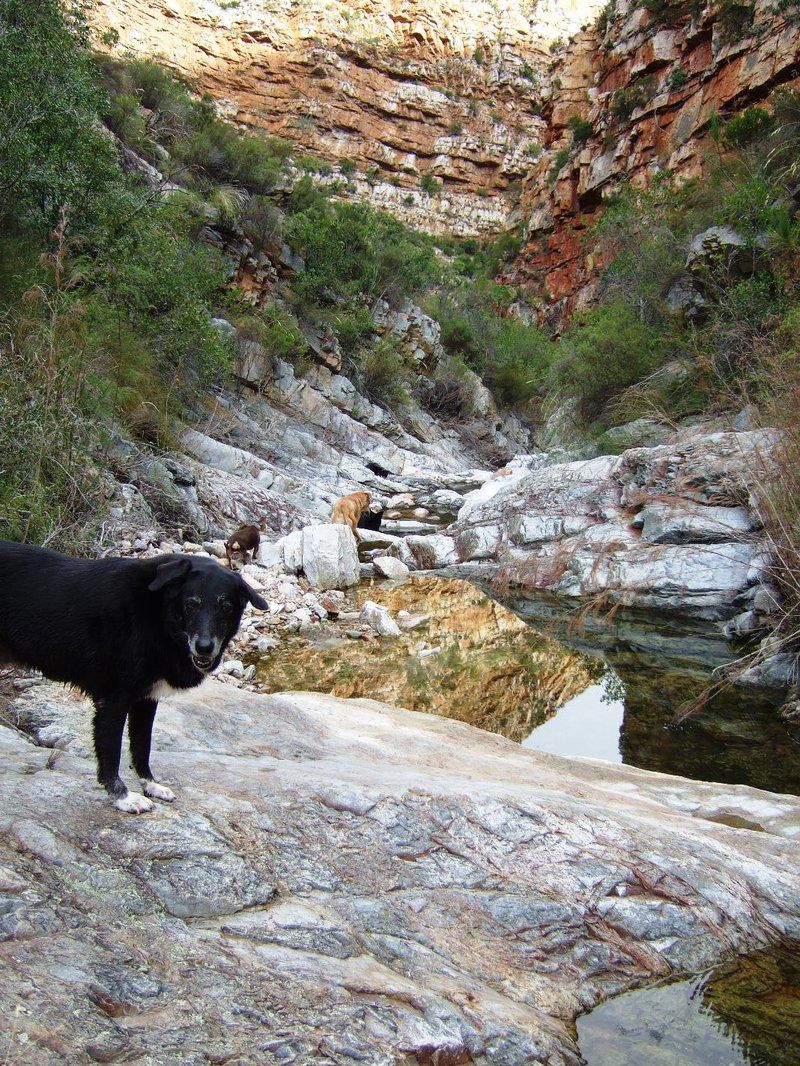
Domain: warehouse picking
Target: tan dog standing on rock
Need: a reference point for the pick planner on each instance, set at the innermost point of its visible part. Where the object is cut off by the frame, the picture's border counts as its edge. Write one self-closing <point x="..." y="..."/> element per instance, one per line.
<point x="348" y="510"/>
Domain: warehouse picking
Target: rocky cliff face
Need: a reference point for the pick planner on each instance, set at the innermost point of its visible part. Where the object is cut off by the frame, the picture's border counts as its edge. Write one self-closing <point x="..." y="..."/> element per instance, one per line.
<point x="469" y="96"/>
<point x="648" y="86"/>
<point x="408" y="90"/>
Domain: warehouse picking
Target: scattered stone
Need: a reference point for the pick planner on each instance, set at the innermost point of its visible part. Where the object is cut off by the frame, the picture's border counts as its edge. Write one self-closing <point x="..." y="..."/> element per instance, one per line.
<point x="391" y="568"/>
<point x="376" y="616"/>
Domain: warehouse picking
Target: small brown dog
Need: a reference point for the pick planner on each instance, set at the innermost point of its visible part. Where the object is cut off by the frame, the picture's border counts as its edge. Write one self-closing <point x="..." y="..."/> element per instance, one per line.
<point x="246" y="539"/>
<point x="348" y="510"/>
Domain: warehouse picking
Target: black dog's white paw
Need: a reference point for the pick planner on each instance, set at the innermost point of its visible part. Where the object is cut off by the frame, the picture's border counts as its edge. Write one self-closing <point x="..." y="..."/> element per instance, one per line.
<point x="156" y="791"/>
<point x="134" y="803"/>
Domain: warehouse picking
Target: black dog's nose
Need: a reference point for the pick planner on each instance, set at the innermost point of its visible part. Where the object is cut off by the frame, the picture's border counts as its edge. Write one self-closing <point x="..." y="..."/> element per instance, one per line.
<point x="204" y="647"/>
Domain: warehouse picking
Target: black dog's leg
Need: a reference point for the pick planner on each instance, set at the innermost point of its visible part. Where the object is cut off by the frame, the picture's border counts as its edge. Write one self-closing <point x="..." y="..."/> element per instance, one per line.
<point x="140" y="731"/>
<point x="109" y="723"/>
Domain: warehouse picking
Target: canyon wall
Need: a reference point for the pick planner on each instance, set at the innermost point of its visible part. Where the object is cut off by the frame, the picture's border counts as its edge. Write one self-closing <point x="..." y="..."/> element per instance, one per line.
<point x="404" y="89"/>
<point x="648" y="86"/>
<point x="454" y="115"/>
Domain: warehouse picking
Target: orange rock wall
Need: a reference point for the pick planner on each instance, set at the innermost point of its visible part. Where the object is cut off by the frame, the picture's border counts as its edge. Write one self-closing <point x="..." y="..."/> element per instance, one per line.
<point x="558" y="265"/>
<point x="403" y="88"/>
<point x="468" y="92"/>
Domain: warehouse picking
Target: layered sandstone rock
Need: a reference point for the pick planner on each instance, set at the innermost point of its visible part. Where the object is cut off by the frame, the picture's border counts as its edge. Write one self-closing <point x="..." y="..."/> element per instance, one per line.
<point x="400" y="89"/>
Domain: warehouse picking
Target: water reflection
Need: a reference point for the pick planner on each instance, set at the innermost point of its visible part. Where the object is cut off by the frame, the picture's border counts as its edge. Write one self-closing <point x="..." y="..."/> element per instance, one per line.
<point x="588" y="725"/>
<point x="470" y="659"/>
<point x="745" y="1012"/>
<point x="533" y="672"/>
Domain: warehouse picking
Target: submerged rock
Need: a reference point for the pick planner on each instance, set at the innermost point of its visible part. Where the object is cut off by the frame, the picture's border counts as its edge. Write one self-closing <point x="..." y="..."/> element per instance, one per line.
<point x="379" y="618"/>
<point x="349" y="876"/>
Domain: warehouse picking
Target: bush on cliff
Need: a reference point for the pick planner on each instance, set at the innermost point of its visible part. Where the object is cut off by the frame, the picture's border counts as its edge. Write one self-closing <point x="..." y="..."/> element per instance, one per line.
<point x="605" y="349"/>
<point x="105" y="294"/>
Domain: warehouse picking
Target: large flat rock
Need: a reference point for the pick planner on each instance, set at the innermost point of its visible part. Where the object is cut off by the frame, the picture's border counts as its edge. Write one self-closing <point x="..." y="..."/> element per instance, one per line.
<point x="340" y="881"/>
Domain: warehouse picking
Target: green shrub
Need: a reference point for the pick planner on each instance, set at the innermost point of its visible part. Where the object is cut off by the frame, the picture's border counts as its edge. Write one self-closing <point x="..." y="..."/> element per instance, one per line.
<point x="430" y="185"/>
<point x="625" y="100"/>
<point x="754" y="124"/>
<point x="350" y="249"/>
<point x="666" y="11"/>
<point x="48" y="484"/>
<point x="560" y="160"/>
<point x="605" y="349"/>
<point x="381" y="372"/>
<point x="51" y="150"/>
<point x="353" y="327"/>
<point x="735" y="19"/>
<point x="451" y="391"/>
<point x="605" y="17"/>
<point x="582" y="130"/>
<point x="347" y="167"/>
<point x="678" y="78"/>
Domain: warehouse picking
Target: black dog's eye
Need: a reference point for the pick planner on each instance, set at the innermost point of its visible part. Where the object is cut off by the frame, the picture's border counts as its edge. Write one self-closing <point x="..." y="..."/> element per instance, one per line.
<point x="192" y="605"/>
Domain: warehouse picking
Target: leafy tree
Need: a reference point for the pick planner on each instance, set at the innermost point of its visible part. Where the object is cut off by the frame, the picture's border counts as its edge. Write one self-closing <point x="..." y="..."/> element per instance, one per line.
<point x="52" y="152"/>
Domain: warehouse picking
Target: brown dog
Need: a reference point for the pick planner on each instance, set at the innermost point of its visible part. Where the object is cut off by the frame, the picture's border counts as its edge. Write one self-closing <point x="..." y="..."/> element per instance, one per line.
<point x="246" y="539"/>
<point x="348" y="510"/>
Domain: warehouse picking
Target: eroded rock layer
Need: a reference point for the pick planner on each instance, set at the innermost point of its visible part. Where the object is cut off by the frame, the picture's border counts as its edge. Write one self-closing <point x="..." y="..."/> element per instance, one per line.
<point x="648" y="86"/>
<point x="402" y="90"/>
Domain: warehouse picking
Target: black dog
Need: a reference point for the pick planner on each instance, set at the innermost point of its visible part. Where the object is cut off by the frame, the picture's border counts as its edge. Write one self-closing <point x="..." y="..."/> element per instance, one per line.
<point x="371" y="519"/>
<point x="126" y="631"/>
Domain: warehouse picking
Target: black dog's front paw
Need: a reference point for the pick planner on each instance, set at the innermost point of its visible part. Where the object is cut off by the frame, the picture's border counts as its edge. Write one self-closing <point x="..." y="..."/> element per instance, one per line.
<point x="156" y="791"/>
<point x="134" y="803"/>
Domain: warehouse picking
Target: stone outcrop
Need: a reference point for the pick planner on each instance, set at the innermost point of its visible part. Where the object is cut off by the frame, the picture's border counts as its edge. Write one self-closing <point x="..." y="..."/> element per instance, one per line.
<point x="402" y="91"/>
<point x="324" y="892"/>
<point x="476" y="99"/>
<point x="673" y="528"/>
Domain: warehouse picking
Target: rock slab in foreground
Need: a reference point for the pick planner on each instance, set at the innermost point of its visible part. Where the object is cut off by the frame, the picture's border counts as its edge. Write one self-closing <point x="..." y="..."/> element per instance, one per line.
<point x="341" y="881"/>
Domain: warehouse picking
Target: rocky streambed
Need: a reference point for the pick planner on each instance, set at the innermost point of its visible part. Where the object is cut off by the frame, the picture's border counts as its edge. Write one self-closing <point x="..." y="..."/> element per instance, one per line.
<point x="344" y="881"/>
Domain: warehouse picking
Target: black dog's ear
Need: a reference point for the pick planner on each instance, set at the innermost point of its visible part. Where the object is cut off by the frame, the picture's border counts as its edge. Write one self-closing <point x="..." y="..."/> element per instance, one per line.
<point x="250" y="594"/>
<point x="170" y="571"/>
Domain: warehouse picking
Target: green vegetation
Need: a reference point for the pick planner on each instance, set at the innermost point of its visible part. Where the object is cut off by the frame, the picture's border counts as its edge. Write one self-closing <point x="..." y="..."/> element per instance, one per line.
<point x="605" y="17"/>
<point x="735" y="19"/>
<point x="678" y="78"/>
<point x="582" y="130"/>
<point x="105" y="295"/>
<point x="430" y="185"/>
<point x="352" y="250"/>
<point x="560" y="160"/>
<point x="625" y="101"/>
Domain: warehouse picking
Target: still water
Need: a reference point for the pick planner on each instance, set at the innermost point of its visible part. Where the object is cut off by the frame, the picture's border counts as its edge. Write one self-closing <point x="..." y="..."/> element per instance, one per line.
<point x="745" y="1012"/>
<point x="540" y="674"/>
<point x="589" y="724"/>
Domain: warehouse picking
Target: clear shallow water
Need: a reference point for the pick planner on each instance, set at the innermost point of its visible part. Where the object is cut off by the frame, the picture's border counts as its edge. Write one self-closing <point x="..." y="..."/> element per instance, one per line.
<point x="537" y="676"/>
<point x="743" y="1013"/>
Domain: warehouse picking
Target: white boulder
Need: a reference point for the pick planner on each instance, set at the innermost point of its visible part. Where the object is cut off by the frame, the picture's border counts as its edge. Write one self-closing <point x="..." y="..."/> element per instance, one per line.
<point x="373" y="614"/>
<point x="330" y="556"/>
<point x="387" y="566"/>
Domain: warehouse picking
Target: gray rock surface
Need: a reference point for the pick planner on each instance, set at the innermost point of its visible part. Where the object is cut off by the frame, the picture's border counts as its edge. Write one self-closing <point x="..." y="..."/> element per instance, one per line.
<point x="673" y="527"/>
<point x="341" y="881"/>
